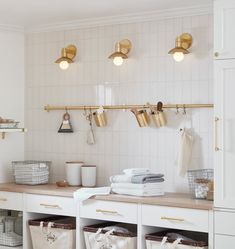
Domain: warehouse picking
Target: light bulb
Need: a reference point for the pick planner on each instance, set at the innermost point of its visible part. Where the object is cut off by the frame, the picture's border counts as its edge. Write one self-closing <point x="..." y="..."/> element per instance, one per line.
<point x="118" y="61"/>
<point x="178" y="56"/>
<point x="64" y="65"/>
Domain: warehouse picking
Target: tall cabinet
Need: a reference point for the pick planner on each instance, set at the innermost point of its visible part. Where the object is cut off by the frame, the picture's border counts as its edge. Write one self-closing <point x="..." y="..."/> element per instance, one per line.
<point x="224" y="127"/>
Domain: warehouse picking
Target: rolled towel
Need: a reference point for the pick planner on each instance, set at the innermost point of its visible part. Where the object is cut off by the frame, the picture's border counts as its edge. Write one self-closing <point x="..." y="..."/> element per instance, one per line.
<point x="146" y="186"/>
<point x="138" y="192"/>
<point x="120" y="178"/>
<point x="136" y="171"/>
<point x="147" y="178"/>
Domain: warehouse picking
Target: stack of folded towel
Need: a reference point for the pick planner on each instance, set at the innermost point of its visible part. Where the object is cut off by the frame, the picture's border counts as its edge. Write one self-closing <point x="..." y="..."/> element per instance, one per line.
<point x="138" y="182"/>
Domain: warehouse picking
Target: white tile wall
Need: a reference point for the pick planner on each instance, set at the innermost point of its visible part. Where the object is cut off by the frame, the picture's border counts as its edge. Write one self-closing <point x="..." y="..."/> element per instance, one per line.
<point x="148" y="75"/>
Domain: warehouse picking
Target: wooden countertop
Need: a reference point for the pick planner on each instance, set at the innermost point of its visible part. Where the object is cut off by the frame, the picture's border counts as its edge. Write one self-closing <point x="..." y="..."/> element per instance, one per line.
<point x="170" y="199"/>
<point x="48" y="189"/>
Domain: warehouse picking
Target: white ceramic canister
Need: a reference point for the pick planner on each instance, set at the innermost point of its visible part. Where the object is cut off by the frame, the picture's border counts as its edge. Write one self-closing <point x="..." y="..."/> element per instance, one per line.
<point x="88" y="175"/>
<point x="73" y="173"/>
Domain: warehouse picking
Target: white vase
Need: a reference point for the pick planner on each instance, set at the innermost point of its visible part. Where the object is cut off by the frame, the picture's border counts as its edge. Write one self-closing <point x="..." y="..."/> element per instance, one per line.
<point x="73" y="173"/>
<point x="88" y="175"/>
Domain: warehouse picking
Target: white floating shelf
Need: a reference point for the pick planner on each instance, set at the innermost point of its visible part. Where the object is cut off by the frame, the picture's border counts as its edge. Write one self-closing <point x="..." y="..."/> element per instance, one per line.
<point x="8" y="130"/>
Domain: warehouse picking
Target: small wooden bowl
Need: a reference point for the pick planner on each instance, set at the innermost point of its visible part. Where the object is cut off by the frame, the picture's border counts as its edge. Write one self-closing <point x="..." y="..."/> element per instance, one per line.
<point x="62" y="184"/>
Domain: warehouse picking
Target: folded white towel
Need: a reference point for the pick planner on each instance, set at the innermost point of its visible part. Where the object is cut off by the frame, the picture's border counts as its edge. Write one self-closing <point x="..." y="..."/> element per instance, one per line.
<point x="136" y="171"/>
<point x="145" y="186"/>
<point x="138" y="192"/>
<point x="83" y="194"/>
<point x="185" y="153"/>
<point x="120" y="178"/>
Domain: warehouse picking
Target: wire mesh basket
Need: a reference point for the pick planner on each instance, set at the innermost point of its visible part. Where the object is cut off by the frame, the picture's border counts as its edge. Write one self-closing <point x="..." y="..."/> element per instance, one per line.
<point x="198" y="182"/>
<point x="31" y="172"/>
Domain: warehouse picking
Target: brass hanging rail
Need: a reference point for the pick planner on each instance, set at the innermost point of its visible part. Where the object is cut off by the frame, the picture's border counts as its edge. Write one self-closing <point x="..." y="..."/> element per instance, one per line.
<point x="125" y="107"/>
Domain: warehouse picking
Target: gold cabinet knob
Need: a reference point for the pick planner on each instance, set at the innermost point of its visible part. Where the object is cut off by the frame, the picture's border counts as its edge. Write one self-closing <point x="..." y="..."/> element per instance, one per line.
<point x="216" y="54"/>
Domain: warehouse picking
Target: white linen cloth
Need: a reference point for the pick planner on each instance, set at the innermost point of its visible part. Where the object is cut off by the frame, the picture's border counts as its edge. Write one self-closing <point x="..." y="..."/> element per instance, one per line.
<point x="136" y="171"/>
<point x="185" y="152"/>
<point x="120" y="178"/>
<point x="138" y="192"/>
<point x="83" y="194"/>
<point x="145" y="186"/>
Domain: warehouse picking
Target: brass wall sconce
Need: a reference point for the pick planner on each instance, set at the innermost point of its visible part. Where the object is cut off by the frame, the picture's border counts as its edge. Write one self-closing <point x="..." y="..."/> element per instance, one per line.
<point x="122" y="48"/>
<point x="182" y="44"/>
<point x="67" y="56"/>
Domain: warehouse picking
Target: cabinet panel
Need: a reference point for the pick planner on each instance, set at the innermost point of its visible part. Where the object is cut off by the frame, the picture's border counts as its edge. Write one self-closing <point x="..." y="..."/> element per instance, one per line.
<point x="176" y="218"/>
<point x="225" y="134"/>
<point x="11" y="201"/>
<point x="108" y="210"/>
<point x="224" y="242"/>
<point x="50" y="205"/>
<point x="224" y="32"/>
<point x="225" y="223"/>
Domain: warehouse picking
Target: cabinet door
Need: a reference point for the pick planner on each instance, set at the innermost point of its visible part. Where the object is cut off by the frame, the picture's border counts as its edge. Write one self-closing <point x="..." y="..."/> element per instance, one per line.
<point x="224" y="31"/>
<point x="224" y="133"/>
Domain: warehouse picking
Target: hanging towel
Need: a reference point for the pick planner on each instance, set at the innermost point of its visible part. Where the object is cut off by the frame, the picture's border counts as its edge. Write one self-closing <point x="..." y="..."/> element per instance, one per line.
<point x="147" y="178"/>
<point x="146" y="186"/>
<point x="120" y="178"/>
<point x="83" y="194"/>
<point x="136" y="171"/>
<point x="185" y="152"/>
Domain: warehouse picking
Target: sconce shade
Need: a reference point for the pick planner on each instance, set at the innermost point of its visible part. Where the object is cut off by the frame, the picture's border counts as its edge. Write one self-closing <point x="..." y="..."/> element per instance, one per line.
<point x="122" y="48"/>
<point x="67" y="54"/>
<point x="182" y="43"/>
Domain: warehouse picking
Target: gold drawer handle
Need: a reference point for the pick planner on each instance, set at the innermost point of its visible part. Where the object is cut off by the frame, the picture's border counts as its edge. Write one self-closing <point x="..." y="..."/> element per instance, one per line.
<point x="50" y="206"/>
<point x="172" y="219"/>
<point x="106" y="211"/>
<point x="3" y="199"/>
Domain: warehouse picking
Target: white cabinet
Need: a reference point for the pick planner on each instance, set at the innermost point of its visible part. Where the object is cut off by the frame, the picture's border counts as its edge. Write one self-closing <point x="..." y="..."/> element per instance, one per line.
<point x="224" y="241"/>
<point x="11" y="201"/>
<point x="224" y="133"/>
<point x="224" y="32"/>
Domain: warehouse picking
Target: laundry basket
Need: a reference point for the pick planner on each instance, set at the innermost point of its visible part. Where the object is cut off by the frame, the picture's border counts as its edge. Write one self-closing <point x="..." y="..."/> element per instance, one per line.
<point x="110" y="235"/>
<point x="31" y="172"/>
<point x="175" y="239"/>
<point x="53" y="233"/>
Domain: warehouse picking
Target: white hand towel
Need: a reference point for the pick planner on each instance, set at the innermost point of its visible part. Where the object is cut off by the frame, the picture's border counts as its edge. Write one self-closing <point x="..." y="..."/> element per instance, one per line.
<point x="145" y="186"/>
<point x="120" y="178"/>
<point x="138" y="192"/>
<point x="185" y="153"/>
<point x="83" y="194"/>
<point x="136" y="171"/>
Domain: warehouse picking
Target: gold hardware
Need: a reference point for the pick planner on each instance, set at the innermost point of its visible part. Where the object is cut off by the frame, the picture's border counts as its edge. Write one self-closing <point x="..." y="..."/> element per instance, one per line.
<point x="50" y="206"/>
<point x="216" y="134"/>
<point x="182" y="44"/>
<point x="216" y="54"/>
<point x="172" y="219"/>
<point x="122" y="48"/>
<point x="141" y="117"/>
<point x="106" y="211"/>
<point x="67" y="56"/>
<point x="3" y="199"/>
<point x="100" y="118"/>
<point x="4" y="131"/>
<point x="125" y="107"/>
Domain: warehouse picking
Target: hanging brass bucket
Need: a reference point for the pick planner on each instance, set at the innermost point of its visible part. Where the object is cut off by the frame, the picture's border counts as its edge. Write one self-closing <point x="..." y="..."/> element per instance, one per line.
<point x="100" y="119"/>
<point x="141" y="117"/>
<point x="158" y="116"/>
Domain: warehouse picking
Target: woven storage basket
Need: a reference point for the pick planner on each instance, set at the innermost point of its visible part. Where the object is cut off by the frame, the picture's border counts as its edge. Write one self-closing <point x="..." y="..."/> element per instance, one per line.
<point x="95" y="234"/>
<point x="53" y="233"/>
<point x="154" y="241"/>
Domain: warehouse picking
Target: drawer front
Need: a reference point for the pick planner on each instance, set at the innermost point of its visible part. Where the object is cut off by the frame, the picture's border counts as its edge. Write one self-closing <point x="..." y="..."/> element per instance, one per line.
<point x="224" y="242"/>
<point x="110" y="211"/>
<point x="225" y="223"/>
<point x="12" y="201"/>
<point x="176" y="218"/>
<point x="50" y="205"/>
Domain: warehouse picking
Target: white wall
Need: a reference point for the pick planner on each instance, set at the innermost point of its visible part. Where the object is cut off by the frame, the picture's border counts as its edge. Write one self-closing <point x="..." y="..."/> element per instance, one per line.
<point x="11" y="98"/>
<point x="150" y="74"/>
